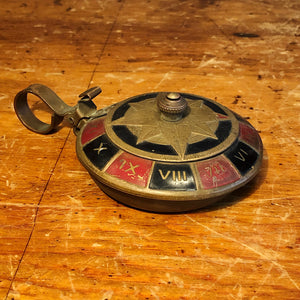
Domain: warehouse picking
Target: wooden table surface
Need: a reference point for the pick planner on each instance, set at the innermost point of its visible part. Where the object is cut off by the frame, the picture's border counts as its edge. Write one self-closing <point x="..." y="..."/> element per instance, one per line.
<point x="61" y="237"/>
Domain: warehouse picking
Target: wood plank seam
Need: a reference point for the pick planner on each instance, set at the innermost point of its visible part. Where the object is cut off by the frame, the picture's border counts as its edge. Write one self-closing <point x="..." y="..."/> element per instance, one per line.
<point x="222" y="31"/>
<point x="105" y="44"/>
<point x="56" y="162"/>
<point x="36" y="215"/>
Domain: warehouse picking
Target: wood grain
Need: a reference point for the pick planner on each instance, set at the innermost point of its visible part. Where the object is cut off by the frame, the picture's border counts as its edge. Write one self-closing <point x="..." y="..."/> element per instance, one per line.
<point x="61" y="237"/>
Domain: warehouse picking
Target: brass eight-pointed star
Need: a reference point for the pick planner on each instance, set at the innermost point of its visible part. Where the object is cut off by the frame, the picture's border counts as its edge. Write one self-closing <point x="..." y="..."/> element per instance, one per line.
<point x="144" y="120"/>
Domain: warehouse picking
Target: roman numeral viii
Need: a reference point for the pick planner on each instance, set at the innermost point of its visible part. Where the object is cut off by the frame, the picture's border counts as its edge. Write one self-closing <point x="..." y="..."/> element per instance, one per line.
<point x="176" y="175"/>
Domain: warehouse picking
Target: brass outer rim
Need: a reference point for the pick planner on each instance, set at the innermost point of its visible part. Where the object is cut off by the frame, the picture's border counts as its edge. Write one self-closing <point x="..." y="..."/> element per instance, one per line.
<point x="147" y="199"/>
<point x="146" y="193"/>
<point x="172" y="158"/>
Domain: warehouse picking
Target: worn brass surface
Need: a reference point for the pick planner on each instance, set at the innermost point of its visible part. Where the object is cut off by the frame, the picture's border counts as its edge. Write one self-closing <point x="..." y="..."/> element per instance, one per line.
<point x="163" y="152"/>
<point x="140" y="172"/>
<point x="144" y="120"/>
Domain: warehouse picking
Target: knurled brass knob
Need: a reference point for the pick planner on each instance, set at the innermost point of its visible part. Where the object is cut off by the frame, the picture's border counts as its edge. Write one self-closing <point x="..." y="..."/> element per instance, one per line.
<point x="172" y="105"/>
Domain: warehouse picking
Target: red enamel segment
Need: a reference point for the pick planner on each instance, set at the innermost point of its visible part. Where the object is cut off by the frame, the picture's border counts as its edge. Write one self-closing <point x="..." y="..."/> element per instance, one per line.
<point x="131" y="168"/>
<point x="220" y="116"/>
<point x="216" y="172"/>
<point x="249" y="135"/>
<point x="92" y="130"/>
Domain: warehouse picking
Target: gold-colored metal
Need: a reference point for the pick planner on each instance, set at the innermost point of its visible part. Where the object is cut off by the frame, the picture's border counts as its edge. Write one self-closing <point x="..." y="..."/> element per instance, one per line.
<point x="172" y="106"/>
<point x="162" y="152"/>
<point x="144" y="121"/>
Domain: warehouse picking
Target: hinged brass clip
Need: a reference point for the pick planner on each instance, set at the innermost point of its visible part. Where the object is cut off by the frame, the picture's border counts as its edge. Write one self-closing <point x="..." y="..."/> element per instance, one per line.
<point x="76" y="115"/>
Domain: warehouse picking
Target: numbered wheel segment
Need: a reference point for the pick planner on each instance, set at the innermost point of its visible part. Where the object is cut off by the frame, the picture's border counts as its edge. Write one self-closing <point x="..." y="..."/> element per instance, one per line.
<point x="151" y="158"/>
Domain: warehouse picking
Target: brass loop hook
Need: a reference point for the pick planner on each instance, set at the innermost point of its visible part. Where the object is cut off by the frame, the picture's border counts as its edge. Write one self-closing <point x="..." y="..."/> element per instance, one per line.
<point x="83" y="110"/>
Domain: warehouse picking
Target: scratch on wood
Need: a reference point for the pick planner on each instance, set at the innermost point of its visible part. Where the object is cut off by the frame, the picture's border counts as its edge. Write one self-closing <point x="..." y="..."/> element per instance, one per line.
<point x="107" y="295"/>
<point x="262" y="283"/>
<point x="75" y="201"/>
<point x="3" y="96"/>
<point x="213" y="61"/>
<point x="71" y="282"/>
<point x="286" y="215"/>
<point x="27" y="70"/>
<point x="165" y="77"/>
<point x="226" y="273"/>
<point x="175" y="279"/>
<point x="154" y="290"/>
<point x="271" y="260"/>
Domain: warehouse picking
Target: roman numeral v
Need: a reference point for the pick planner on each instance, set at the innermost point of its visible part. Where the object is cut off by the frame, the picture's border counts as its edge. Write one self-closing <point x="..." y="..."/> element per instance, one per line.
<point x="164" y="177"/>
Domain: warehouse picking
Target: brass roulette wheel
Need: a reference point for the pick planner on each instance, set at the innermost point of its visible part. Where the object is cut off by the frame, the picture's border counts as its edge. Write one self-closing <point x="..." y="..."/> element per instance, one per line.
<point x="160" y="152"/>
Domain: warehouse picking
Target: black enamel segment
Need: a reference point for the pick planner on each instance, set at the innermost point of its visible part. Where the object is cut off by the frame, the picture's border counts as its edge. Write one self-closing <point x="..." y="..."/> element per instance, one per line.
<point x="222" y="134"/>
<point x="239" y="117"/>
<point x="215" y="107"/>
<point x="100" y="151"/>
<point x="242" y="156"/>
<point x="223" y="130"/>
<point x="172" y="177"/>
<point x="120" y="112"/>
<point x="125" y="135"/>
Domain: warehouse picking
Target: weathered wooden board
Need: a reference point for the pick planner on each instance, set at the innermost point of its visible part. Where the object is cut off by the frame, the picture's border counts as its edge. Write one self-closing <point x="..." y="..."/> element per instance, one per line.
<point x="61" y="237"/>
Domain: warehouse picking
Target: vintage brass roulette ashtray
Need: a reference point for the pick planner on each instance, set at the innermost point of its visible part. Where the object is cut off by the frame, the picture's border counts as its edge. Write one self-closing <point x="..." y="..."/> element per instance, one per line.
<point x="161" y="152"/>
